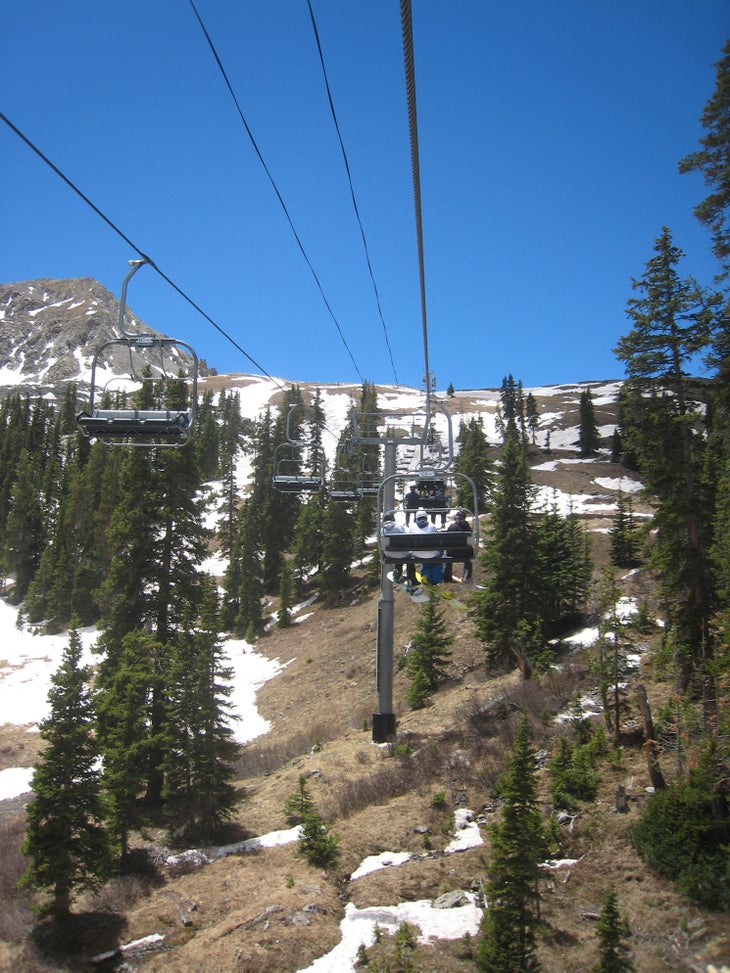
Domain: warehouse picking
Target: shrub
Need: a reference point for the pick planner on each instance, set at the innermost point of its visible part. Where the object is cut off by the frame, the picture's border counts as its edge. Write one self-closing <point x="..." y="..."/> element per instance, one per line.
<point x="685" y="835"/>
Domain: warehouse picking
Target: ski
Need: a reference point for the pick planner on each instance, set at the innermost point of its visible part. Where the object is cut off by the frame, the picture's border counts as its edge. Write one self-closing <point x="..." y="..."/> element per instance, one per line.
<point x="418" y="595"/>
<point x="439" y="590"/>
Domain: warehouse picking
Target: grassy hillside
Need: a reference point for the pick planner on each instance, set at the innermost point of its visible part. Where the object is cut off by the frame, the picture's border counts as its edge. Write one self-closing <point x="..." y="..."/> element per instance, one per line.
<point x="269" y="910"/>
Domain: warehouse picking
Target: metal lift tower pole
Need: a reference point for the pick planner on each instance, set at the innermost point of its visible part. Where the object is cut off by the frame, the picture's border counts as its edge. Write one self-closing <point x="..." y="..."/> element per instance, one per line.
<point x="384" y="720"/>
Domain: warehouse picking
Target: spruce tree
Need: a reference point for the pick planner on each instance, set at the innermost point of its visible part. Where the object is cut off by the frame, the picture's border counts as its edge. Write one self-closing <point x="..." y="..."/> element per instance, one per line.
<point x="613" y="931"/>
<point x="507" y="941"/>
<point x="153" y="583"/>
<point x="713" y="161"/>
<point x="430" y="652"/>
<point x="316" y="842"/>
<point x="625" y="547"/>
<point x="473" y="461"/>
<point x="308" y="541"/>
<point x="509" y="559"/>
<point x="198" y="792"/>
<point x="300" y="803"/>
<point x="286" y="597"/>
<point x="243" y="606"/>
<point x="337" y="549"/>
<point x="610" y="664"/>
<point x="532" y="415"/>
<point x="124" y="718"/>
<point x="24" y="534"/>
<point x="588" y="438"/>
<point x="65" y="840"/>
<point x="672" y="320"/>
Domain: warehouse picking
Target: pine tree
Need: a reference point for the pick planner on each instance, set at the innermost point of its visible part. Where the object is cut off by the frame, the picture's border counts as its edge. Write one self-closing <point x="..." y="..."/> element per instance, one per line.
<point x="278" y="512"/>
<point x="124" y="715"/>
<point x="244" y="605"/>
<point x="206" y="442"/>
<point x="430" y="652"/>
<point x="671" y="325"/>
<point x="153" y="583"/>
<point x="317" y="843"/>
<point x="473" y="461"/>
<point x="532" y="415"/>
<point x="713" y="160"/>
<point x="588" y="438"/>
<point x="613" y="930"/>
<point x="617" y="447"/>
<point x="337" y="549"/>
<point x="299" y="804"/>
<point x="286" y="596"/>
<point x="24" y="535"/>
<point x="610" y="664"/>
<point x="509" y="559"/>
<point x="625" y="549"/>
<point x="507" y="941"/>
<point x="562" y="569"/>
<point x="65" y="839"/>
<point x="198" y="791"/>
<point x="308" y="541"/>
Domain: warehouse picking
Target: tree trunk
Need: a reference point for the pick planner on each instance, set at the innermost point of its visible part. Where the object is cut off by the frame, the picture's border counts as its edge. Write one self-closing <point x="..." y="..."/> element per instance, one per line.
<point x="650" y="745"/>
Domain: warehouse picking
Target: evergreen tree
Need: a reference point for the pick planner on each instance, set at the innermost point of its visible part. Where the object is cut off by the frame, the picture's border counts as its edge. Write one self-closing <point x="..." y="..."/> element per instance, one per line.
<point x="124" y="715"/>
<point x="562" y="570"/>
<point x="572" y="777"/>
<point x="368" y="460"/>
<point x="672" y="321"/>
<point x="206" y="442"/>
<point x="299" y="804"/>
<point x="617" y="447"/>
<point x="278" y="512"/>
<point x="286" y="596"/>
<point x="532" y="415"/>
<point x="588" y="438"/>
<point x="65" y="837"/>
<point x="337" y="549"/>
<point x="430" y="652"/>
<point x="198" y="791"/>
<point x="613" y="930"/>
<point x="509" y="560"/>
<point x="308" y="542"/>
<point x="24" y="535"/>
<point x="610" y="664"/>
<point x="243" y="606"/>
<point x="713" y="161"/>
<point x="625" y="548"/>
<point x="153" y="583"/>
<point x="473" y="461"/>
<point x="317" y="843"/>
<point x="507" y="941"/>
<point x="511" y="413"/>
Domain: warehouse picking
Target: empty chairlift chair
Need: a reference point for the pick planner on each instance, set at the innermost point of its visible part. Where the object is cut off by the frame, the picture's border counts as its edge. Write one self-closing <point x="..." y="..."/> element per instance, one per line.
<point x="288" y="477"/>
<point x="138" y="369"/>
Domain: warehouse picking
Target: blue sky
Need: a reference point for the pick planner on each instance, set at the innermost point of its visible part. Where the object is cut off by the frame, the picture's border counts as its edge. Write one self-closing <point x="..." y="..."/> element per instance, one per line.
<point x="549" y="136"/>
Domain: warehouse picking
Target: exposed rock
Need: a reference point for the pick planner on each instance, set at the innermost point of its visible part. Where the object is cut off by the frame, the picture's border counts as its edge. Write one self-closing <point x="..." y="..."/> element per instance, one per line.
<point x="451" y="900"/>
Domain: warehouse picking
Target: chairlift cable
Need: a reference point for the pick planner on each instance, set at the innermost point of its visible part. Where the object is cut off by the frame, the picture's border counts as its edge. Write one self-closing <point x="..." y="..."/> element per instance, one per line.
<point x="276" y="189"/>
<point x="134" y="247"/>
<point x="352" y="189"/>
<point x="407" y="29"/>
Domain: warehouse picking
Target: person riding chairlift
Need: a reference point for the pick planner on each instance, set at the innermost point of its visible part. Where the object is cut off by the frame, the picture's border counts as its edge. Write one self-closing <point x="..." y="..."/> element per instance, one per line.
<point x="431" y="572"/>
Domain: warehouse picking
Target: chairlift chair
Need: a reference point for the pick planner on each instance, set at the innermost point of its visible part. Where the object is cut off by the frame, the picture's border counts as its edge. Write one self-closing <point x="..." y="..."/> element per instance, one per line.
<point x="398" y="546"/>
<point x="287" y="477"/>
<point x="150" y="427"/>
